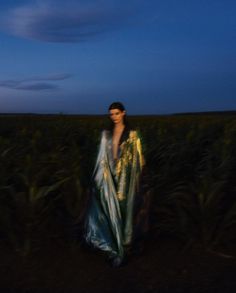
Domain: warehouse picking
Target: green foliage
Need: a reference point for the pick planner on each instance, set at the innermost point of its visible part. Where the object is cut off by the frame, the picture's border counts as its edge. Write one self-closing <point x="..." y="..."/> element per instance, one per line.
<point x="46" y="164"/>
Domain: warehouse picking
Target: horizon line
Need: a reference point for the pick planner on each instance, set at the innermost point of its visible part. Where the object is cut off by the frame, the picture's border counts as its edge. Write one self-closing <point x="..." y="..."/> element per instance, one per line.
<point x="86" y="114"/>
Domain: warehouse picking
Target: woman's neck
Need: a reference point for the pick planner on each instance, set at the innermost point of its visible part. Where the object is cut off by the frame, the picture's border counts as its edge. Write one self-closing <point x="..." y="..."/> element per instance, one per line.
<point x="119" y="126"/>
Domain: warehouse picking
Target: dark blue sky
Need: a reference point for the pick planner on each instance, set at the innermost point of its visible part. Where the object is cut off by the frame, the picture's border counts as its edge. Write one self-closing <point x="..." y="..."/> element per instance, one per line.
<point x="156" y="57"/>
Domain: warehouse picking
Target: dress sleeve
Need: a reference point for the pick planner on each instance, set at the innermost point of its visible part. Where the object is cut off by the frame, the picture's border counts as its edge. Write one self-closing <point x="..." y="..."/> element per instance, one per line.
<point x="99" y="165"/>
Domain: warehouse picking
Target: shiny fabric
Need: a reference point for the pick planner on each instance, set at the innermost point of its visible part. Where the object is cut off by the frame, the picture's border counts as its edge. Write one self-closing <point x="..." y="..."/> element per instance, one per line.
<point x="109" y="224"/>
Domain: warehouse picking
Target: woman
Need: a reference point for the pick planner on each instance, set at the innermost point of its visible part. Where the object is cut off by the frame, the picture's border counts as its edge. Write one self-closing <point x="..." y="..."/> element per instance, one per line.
<point x="114" y="212"/>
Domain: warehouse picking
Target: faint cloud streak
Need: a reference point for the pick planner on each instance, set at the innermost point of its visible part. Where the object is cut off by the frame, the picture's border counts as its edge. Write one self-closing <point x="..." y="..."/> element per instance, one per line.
<point x="34" y="83"/>
<point x="36" y="86"/>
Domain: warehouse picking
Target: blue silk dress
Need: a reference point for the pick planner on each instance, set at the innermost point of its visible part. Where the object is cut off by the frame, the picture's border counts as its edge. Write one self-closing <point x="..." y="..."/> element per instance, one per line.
<point x="109" y="221"/>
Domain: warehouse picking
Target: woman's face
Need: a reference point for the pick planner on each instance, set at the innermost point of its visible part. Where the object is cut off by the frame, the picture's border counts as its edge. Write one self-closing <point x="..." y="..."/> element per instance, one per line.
<point x="117" y="116"/>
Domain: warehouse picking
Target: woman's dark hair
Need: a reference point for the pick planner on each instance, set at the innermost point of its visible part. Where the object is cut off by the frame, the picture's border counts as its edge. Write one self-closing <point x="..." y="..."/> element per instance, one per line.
<point x="117" y="105"/>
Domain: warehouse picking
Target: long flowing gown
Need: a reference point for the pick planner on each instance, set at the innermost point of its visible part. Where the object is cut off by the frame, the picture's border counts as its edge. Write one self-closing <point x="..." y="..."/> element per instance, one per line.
<point x="109" y="224"/>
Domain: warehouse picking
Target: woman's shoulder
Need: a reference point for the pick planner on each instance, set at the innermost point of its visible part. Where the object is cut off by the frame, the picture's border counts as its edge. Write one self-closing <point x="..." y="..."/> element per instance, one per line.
<point x="134" y="132"/>
<point x="105" y="133"/>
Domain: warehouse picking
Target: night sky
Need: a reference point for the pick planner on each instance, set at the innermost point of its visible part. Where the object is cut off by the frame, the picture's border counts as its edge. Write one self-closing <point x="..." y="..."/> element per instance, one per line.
<point x="155" y="56"/>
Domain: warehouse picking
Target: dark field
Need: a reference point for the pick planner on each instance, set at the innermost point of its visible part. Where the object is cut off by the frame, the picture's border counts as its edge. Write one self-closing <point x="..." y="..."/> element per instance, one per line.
<point x="45" y="167"/>
<point x="162" y="267"/>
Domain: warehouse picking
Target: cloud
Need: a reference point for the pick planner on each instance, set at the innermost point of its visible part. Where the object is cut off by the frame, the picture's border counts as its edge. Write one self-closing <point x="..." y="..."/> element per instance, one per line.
<point x="37" y="86"/>
<point x="68" y="21"/>
<point x="34" y="83"/>
<point x="52" y="77"/>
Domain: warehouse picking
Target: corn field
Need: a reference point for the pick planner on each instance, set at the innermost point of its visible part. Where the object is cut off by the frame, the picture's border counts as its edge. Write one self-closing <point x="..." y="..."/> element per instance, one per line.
<point x="46" y="162"/>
